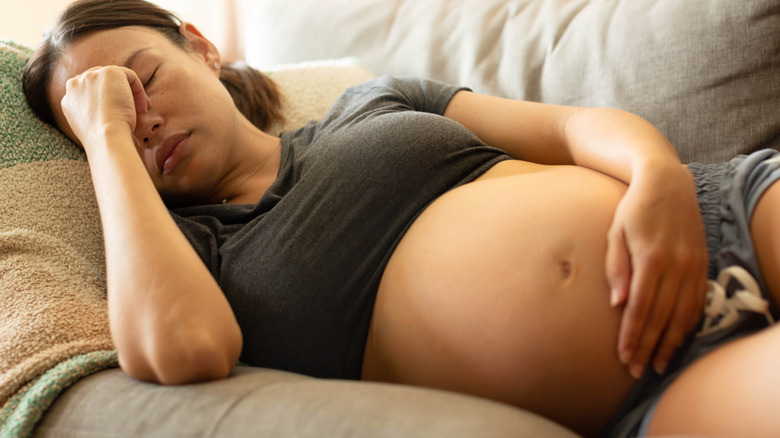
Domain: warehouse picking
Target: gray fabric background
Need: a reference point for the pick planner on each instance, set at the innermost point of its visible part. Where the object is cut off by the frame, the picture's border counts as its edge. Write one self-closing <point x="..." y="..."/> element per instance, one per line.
<point x="706" y="72"/>
<point x="267" y="403"/>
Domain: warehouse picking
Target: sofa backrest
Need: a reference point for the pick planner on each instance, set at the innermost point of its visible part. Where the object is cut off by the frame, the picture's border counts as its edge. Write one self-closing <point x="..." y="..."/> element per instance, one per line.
<point x="707" y="73"/>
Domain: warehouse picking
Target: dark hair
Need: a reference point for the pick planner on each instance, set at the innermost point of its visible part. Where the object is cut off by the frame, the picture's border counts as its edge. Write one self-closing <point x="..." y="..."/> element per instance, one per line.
<point x="255" y="94"/>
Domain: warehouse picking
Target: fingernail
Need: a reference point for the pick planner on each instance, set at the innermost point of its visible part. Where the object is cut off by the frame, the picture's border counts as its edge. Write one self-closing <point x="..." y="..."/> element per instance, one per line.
<point x="614" y="298"/>
<point x="635" y="370"/>
<point x="660" y="367"/>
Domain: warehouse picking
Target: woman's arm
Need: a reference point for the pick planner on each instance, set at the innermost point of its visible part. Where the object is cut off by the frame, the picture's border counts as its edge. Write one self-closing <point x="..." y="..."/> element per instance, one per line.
<point x="656" y="258"/>
<point x="169" y="320"/>
<point x="555" y="134"/>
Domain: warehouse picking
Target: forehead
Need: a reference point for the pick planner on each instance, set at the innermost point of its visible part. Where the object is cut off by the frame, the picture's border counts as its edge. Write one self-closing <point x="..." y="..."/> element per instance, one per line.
<point x="105" y="47"/>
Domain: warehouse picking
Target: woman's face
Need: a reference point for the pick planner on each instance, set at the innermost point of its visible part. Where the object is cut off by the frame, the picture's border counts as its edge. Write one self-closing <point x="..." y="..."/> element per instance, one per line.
<point x="188" y="103"/>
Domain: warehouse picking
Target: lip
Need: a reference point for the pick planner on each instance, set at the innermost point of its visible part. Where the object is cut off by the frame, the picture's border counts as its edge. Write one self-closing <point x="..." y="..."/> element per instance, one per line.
<point x="170" y="152"/>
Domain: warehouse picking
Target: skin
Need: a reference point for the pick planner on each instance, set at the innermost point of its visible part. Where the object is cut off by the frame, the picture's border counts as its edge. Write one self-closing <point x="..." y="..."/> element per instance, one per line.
<point x="169" y="318"/>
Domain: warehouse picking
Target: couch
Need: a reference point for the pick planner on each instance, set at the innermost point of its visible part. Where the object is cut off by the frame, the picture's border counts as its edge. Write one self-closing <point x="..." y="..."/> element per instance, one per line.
<point x="706" y="72"/>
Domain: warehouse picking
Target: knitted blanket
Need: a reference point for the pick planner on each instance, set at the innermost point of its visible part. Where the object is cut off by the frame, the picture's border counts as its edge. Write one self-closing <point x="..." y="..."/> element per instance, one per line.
<point x="53" y="318"/>
<point x="53" y="314"/>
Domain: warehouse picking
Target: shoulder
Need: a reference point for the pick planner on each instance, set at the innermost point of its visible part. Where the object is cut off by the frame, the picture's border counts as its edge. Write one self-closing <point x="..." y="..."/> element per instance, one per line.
<point x="402" y="92"/>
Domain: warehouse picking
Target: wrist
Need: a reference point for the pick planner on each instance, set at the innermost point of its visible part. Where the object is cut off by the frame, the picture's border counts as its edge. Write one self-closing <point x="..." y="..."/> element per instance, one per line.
<point x="662" y="176"/>
<point x="659" y="164"/>
<point x="110" y="134"/>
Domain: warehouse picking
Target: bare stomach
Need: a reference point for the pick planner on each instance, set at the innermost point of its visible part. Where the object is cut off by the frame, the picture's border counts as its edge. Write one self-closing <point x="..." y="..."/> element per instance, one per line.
<point x="498" y="290"/>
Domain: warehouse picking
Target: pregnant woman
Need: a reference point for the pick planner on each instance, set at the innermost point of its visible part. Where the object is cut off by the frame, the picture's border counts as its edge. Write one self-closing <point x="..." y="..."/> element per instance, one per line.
<point x="549" y="257"/>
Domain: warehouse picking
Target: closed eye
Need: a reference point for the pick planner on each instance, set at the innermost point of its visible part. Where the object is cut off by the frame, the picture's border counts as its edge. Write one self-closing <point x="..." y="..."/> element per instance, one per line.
<point x="151" y="78"/>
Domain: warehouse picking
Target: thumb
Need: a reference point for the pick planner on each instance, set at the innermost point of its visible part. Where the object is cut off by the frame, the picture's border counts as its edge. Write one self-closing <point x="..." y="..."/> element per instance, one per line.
<point x="618" y="266"/>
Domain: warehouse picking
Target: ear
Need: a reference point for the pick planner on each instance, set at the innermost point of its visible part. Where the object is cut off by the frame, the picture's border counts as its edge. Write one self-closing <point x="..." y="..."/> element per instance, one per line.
<point x="201" y="46"/>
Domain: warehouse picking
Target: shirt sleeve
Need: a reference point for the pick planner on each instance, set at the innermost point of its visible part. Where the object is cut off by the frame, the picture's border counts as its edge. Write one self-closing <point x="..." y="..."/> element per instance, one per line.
<point x="423" y="95"/>
<point x="396" y="93"/>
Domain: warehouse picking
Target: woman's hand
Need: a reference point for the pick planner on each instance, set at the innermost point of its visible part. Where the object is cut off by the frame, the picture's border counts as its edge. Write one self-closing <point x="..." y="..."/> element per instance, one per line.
<point x="657" y="266"/>
<point x="656" y="257"/>
<point x="102" y="96"/>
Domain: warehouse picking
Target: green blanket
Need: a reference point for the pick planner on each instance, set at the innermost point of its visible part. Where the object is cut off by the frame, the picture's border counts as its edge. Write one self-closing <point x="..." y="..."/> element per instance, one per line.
<point x="54" y="323"/>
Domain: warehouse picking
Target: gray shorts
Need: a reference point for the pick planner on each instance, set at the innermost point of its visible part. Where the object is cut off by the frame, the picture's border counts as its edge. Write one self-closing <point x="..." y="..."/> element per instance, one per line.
<point x="728" y="194"/>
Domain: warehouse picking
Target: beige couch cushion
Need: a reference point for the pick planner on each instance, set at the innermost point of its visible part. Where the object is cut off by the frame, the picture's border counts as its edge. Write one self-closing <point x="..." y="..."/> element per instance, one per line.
<point x="705" y="72"/>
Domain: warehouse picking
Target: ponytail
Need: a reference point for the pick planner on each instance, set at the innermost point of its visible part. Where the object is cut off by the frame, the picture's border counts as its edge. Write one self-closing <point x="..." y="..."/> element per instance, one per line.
<point x="255" y="94"/>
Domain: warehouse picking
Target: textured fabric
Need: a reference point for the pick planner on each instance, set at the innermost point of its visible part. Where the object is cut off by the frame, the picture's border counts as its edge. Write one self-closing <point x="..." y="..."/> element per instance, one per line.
<point x="25" y="409"/>
<point x="52" y="298"/>
<point x="301" y="268"/>
<point x="705" y="72"/>
<point x="727" y="195"/>
<point x="267" y="403"/>
<point x="23" y="138"/>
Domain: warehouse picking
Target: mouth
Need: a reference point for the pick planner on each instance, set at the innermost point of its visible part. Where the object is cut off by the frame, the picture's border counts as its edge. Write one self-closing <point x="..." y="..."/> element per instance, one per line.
<point x="170" y="152"/>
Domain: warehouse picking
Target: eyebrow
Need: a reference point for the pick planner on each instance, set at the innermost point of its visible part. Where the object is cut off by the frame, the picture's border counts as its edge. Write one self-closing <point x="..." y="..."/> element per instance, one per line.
<point x="131" y="58"/>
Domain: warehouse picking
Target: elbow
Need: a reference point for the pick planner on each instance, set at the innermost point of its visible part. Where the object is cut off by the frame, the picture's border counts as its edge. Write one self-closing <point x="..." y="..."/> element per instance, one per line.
<point x="188" y="361"/>
<point x="200" y="364"/>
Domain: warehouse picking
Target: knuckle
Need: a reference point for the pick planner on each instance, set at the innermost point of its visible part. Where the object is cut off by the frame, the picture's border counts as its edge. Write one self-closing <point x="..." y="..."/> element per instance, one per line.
<point x="613" y="271"/>
<point x="653" y="257"/>
<point x="71" y="82"/>
<point x="630" y="337"/>
<point x="635" y="312"/>
<point x="614" y="234"/>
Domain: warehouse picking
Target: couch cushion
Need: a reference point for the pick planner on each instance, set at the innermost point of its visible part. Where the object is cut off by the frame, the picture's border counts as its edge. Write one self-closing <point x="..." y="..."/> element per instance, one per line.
<point x="705" y="72"/>
<point x="309" y="88"/>
<point x="255" y="402"/>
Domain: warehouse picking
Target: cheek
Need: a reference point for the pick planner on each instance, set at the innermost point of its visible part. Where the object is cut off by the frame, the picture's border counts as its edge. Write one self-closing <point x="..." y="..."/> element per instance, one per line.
<point x="207" y="101"/>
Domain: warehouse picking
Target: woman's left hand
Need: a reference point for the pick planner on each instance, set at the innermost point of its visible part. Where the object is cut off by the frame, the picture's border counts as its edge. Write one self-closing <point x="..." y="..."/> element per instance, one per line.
<point x="657" y="266"/>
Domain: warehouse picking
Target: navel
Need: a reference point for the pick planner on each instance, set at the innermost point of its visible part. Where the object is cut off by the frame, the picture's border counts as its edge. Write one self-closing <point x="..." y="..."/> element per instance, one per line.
<point x="566" y="269"/>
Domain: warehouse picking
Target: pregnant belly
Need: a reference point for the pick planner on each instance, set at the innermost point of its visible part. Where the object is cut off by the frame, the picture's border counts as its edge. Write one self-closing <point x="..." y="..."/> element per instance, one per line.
<point x="498" y="290"/>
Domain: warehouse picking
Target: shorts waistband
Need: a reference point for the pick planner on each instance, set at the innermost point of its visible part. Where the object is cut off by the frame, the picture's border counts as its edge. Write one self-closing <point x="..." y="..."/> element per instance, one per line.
<point x="708" y="180"/>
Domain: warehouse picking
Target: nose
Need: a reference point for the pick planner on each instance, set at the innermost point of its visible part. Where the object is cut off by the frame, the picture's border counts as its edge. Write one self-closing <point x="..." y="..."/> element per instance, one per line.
<point x="147" y="126"/>
<point x="146" y="139"/>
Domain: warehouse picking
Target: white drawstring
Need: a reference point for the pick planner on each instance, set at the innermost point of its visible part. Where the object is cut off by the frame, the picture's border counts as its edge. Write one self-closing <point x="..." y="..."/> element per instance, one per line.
<point x="722" y="311"/>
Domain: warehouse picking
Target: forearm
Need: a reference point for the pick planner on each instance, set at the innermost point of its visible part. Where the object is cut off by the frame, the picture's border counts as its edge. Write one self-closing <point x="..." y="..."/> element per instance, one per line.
<point x="609" y="141"/>
<point x="618" y="144"/>
<point x="169" y="319"/>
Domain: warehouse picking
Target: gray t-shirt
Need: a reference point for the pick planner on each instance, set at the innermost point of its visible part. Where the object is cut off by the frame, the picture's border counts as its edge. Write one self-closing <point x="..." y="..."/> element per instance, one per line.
<point x="301" y="267"/>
